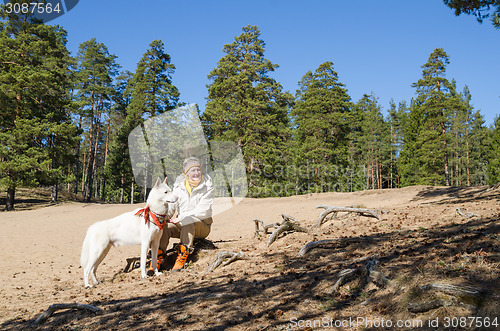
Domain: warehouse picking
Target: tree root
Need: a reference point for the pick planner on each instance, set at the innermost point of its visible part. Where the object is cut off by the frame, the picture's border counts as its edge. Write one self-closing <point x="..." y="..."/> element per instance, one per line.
<point x="58" y="306"/>
<point x="231" y="256"/>
<point x="264" y="227"/>
<point x="289" y="224"/>
<point x="367" y="273"/>
<point x="329" y="243"/>
<point x="466" y="214"/>
<point x="335" y="210"/>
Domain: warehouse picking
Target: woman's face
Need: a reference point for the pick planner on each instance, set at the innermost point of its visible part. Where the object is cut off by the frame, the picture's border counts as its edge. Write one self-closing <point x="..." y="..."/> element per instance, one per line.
<point x="194" y="173"/>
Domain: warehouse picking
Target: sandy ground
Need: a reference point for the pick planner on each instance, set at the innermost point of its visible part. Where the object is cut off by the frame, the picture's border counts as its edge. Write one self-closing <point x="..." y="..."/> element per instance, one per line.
<point x="40" y="251"/>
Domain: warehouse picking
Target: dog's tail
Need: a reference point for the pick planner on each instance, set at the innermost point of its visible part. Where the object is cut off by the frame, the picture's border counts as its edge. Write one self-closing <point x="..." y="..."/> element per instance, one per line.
<point x="84" y="257"/>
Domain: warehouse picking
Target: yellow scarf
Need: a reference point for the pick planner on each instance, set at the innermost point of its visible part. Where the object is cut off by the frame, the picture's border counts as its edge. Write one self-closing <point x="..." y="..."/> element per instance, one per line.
<point x="191" y="184"/>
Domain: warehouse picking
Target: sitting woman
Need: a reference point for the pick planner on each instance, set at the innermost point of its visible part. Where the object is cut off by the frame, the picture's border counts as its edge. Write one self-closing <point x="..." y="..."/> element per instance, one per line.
<point x="195" y="194"/>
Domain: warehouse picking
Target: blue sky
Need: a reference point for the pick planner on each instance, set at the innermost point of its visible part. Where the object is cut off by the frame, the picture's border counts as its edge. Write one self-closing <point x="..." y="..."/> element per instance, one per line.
<point x="376" y="46"/>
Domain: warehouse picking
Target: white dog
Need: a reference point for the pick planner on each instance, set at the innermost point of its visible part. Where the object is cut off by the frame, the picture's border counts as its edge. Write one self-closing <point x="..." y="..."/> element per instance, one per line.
<point x="141" y="226"/>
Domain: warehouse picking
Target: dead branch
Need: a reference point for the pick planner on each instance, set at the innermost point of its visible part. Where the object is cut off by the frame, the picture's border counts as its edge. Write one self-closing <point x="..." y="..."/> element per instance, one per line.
<point x="231" y="256"/>
<point x="329" y="243"/>
<point x="466" y="214"/>
<point x="452" y="289"/>
<point x="264" y="227"/>
<point x="422" y="307"/>
<point x="314" y="244"/>
<point x="289" y="224"/>
<point x="131" y="263"/>
<point x="366" y="272"/>
<point x="459" y="296"/>
<point x="58" y="306"/>
<point x="334" y="209"/>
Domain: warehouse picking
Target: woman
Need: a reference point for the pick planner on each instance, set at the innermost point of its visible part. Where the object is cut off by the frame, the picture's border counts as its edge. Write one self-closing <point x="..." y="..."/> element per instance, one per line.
<point x="195" y="194"/>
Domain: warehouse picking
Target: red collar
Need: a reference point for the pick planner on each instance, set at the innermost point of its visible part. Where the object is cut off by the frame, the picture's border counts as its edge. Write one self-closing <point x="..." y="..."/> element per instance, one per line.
<point x="158" y="219"/>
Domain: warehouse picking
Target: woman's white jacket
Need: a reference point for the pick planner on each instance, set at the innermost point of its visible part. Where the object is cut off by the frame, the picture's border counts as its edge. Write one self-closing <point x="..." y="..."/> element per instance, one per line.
<point x="199" y="203"/>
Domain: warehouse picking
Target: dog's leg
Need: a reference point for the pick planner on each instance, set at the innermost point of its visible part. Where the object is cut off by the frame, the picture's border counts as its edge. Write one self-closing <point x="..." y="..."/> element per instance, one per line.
<point x="84" y="261"/>
<point x="98" y="262"/>
<point x="97" y="252"/>
<point x="86" y="273"/>
<point x="144" y="252"/>
<point x="90" y="254"/>
<point x="154" y="252"/>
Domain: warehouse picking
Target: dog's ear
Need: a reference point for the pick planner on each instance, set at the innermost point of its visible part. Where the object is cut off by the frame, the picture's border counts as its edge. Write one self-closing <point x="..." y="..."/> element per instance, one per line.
<point x="158" y="182"/>
<point x="166" y="180"/>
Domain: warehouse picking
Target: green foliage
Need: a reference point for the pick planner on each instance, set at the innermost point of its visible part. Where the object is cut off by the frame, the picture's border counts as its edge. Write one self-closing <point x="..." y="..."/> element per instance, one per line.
<point x="95" y="70"/>
<point x="494" y="157"/>
<point x="481" y="9"/>
<point x="425" y="153"/>
<point x="372" y="142"/>
<point x="118" y="170"/>
<point x="152" y="91"/>
<point x="396" y="122"/>
<point x="36" y="136"/>
<point x="145" y="94"/>
<point x="321" y="118"/>
<point x="318" y="141"/>
<point x="247" y="106"/>
<point x="468" y="151"/>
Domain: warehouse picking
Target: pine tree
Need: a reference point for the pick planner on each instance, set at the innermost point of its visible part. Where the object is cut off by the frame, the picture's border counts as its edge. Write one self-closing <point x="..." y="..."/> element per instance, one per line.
<point x="373" y="142"/>
<point x="494" y="154"/>
<point x="467" y="149"/>
<point x="408" y="163"/>
<point x="152" y="89"/>
<point x="247" y="106"/>
<point x="425" y="158"/>
<point x="321" y="117"/>
<point x="479" y="143"/>
<point x="151" y="93"/>
<point x="96" y="68"/>
<point x="36" y="136"/>
<point x="118" y="170"/>
<point x="396" y="123"/>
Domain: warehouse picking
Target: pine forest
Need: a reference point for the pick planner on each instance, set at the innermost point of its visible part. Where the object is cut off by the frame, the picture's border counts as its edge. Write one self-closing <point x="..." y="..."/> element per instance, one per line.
<point x="65" y="121"/>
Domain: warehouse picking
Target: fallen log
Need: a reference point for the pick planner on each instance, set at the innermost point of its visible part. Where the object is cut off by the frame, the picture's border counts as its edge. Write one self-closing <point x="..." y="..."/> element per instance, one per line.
<point x="231" y="256"/>
<point x="452" y="289"/>
<point x="334" y="209"/>
<point x="329" y="243"/>
<point x="58" y="306"/>
<point x="465" y="296"/>
<point x="289" y="224"/>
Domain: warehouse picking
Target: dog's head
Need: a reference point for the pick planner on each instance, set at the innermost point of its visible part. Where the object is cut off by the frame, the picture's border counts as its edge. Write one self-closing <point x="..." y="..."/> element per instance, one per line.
<point x="161" y="196"/>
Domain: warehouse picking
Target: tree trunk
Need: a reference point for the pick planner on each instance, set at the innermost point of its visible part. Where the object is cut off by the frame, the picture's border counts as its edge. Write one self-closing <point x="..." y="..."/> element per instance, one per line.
<point x="9" y="202"/>
<point x="392" y="145"/>
<point x="445" y="147"/>
<point x="132" y="193"/>
<point x="467" y="154"/>
<point x="84" y="164"/>
<point x="373" y="169"/>
<point x="77" y="163"/>
<point x="90" y="175"/>
<point x="54" y="192"/>
<point x="105" y="161"/>
<point x="457" y="160"/>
